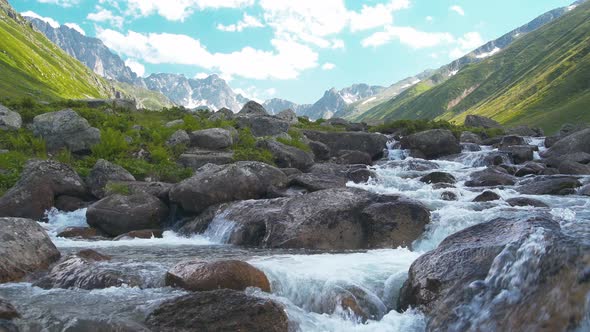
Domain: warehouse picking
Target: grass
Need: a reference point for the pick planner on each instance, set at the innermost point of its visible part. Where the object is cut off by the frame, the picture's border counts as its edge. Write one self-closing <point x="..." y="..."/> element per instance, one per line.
<point x="295" y="140"/>
<point x="408" y="127"/>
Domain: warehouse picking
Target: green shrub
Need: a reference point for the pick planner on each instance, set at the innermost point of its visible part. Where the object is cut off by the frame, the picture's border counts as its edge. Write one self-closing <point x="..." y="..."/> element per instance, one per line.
<point x="296" y="140"/>
<point x="112" y="145"/>
<point x="11" y="166"/>
<point x="117" y="188"/>
<point x="245" y="149"/>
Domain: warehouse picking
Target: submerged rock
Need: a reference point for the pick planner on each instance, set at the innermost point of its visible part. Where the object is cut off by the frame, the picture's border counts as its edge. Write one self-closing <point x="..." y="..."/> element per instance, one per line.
<point x="219" y="310"/>
<point x="438" y="177"/>
<point x="198" y="276"/>
<point x="523" y="201"/>
<point x="24" y="248"/>
<point x="432" y="144"/>
<point x="487" y="196"/>
<point x="7" y="310"/>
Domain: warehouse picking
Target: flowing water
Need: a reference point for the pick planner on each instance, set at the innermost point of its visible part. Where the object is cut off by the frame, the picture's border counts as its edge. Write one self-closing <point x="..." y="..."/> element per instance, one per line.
<point x="304" y="281"/>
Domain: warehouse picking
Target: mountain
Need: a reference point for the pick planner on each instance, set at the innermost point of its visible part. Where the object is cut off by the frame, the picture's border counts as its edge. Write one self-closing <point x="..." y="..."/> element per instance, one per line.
<point x="31" y="65"/>
<point x="541" y="79"/>
<point x="144" y="98"/>
<point x="400" y="107"/>
<point x="276" y="105"/>
<point x="212" y="92"/>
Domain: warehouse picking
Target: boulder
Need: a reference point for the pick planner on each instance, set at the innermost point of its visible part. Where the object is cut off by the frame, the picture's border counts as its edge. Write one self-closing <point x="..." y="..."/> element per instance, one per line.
<point x="200" y="276"/>
<point x="69" y="203"/>
<point x="320" y="150"/>
<point x="159" y="189"/>
<point x="211" y="139"/>
<point x="524" y="201"/>
<point x="82" y="271"/>
<point x="288" y="115"/>
<point x="143" y="234"/>
<point x="511" y="140"/>
<point x="469" y="137"/>
<point x="328" y="176"/>
<point x="372" y="144"/>
<point x="9" y="120"/>
<point x="573" y="168"/>
<point x="286" y="156"/>
<point x="119" y="214"/>
<point x="86" y="233"/>
<point x="478" y="121"/>
<point x="196" y="159"/>
<point x="510" y="271"/>
<point x="66" y="129"/>
<point x="438" y="177"/>
<point x="580" y="157"/>
<point x="103" y="172"/>
<point x="353" y="158"/>
<point x="585" y="190"/>
<point x="448" y="196"/>
<point x="174" y="123"/>
<point x="180" y="137"/>
<point x="263" y="126"/>
<point x="525" y="131"/>
<point x="40" y="182"/>
<point x="470" y="147"/>
<point x="577" y="142"/>
<point x="222" y="114"/>
<point x="432" y="144"/>
<point x="490" y="177"/>
<point x="549" y="185"/>
<point x="487" y="196"/>
<point x="520" y="153"/>
<point x="332" y="219"/>
<point x="530" y="168"/>
<point x="25" y="248"/>
<point x="253" y="108"/>
<point x="7" y="310"/>
<point x="219" y="310"/>
<point x="214" y="184"/>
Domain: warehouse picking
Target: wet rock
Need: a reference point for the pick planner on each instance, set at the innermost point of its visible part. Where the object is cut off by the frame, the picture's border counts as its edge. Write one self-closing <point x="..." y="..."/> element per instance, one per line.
<point x="573" y="168"/>
<point x="493" y="255"/>
<point x="523" y="201"/>
<point x="354" y="300"/>
<point x="414" y="165"/>
<point x="180" y="137"/>
<point x="199" y="276"/>
<point x="511" y="140"/>
<point x="286" y="156"/>
<point x="585" y="190"/>
<point x="448" y="196"/>
<point x="69" y="203"/>
<point x="372" y="144"/>
<point x="103" y="172"/>
<point x="7" y="310"/>
<point x="510" y="169"/>
<point x="470" y="147"/>
<point x="490" y="177"/>
<point x="575" y="143"/>
<point x="530" y="168"/>
<point x="196" y="159"/>
<point x="66" y="129"/>
<point x="487" y="196"/>
<point x="119" y="214"/>
<point x="566" y="130"/>
<point x="24" y="248"/>
<point x="432" y="143"/>
<point x="253" y="108"/>
<point x="320" y="150"/>
<point x="328" y="176"/>
<point x="9" y="120"/>
<point x="478" y="121"/>
<point x="580" y="157"/>
<point x="34" y="193"/>
<point x="215" y="184"/>
<point x="174" y="123"/>
<point x="353" y="158"/>
<point x="520" y="153"/>
<point x="220" y="310"/>
<point x="438" y="177"/>
<point x="289" y="116"/>
<point x="469" y="137"/>
<point x="211" y="139"/>
<point x="549" y="185"/>
<point x="143" y="234"/>
<point x="262" y="126"/>
<point x="84" y="271"/>
<point x="494" y="159"/>
<point x="86" y="233"/>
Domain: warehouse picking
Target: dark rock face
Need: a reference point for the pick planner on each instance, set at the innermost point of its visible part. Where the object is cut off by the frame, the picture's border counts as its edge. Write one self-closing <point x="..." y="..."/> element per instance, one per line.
<point x="103" y="172"/>
<point x="487" y="196"/>
<point x="523" y="201"/>
<point x="69" y="203"/>
<point x="478" y="121"/>
<point x="66" y="129"/>
<point x="221" y="310"/>
<point x="118" y="214"/>
<point x="199" y="276"/>
<point x="330" y="219"/>
<point x="286" y="156"/>
<point x="328" y="176"/>
<point x="40" y="182"/>
<point x="320" y="150"/>
<point x="574" y="143"/>
<point x="24" y="248"/>
<point x="494" y="255"/>
<point x="219" y="184"/>
<point x="432" y="144"/>
<point x="490" y="177"/>
<point x="520" y="153"/>
<point x="7" y="310"/>
<point x="438" y="177"/>
<point x="372" y="144"/>
<point x="83" y="270"/>
<point x="211" y="139"/>
<point x="550" y="185"/>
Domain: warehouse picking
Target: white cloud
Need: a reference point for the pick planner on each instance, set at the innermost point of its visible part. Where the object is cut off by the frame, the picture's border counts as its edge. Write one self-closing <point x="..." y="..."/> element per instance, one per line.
<point x="328" y="66"/>
<point x="53" y="23"/>
<point x="105" y="15"/>
<point x="179" y="10"/>
<point x="408" y="36"/>
<point x="337" y="44"/>
<point x="429" y="18"/>
<point x="136" y="67"/>
<point x="76" y="27"/>
<point x="457" y="9"/>
<point x="286" y="61"/>
<point x="63" y="3"/>
<point x="246" y="22"/>
<point x="201" y="76"/>
<point x="376" y="16"/>
<point x="466" y="44"/>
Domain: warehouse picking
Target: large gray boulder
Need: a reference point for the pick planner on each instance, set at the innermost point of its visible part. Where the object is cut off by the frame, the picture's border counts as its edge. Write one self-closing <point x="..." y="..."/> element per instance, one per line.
<point x="219" y="310"/>
<point x="328" y="176"/>
<point x="372" y="144"/>
<point x="479" y="121"/>
<point x="118" y="214"/>
<point x="263" y="126"/>
<point x="577" y="142"/>
<point x="520" y="154"/>
<point x="432" y="144"/>
<point x="499" y="275"/>
<point x="25" y="248"/>
<point x="214" y="184"/>
<point x="286" y="156"/>
<point x="66" y="129"/>
<point x="253" y="108"/>
<point x="549" y="185"/>
<point x="333" y="219"/>
<point x="103" y="172"/>
<point x="178" y="138"/>
<point x="211" y="139"/>
<point x="196" y="158"/>
<point x="288" y="115"/>
<point x="9" y="120"/>
<point x="40" y="183"/>
<point x="490" y="177"/>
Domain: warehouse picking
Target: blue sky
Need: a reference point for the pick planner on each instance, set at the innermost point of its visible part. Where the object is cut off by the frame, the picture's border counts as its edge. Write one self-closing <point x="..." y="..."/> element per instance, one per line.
<point x="291" y="49"/>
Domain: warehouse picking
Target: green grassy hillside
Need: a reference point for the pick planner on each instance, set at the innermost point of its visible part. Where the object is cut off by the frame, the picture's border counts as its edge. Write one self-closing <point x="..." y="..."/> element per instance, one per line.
<point x="146" y="99"/>
<point x="30" y="65"/>
<point x="542" y="80"/>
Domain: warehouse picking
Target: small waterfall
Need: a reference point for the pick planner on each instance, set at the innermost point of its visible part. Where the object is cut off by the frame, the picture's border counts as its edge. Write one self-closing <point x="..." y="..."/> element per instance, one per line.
<point x="58" y="221"/>
<point x="220" y="229"/>
<point x="394" y="152"/>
